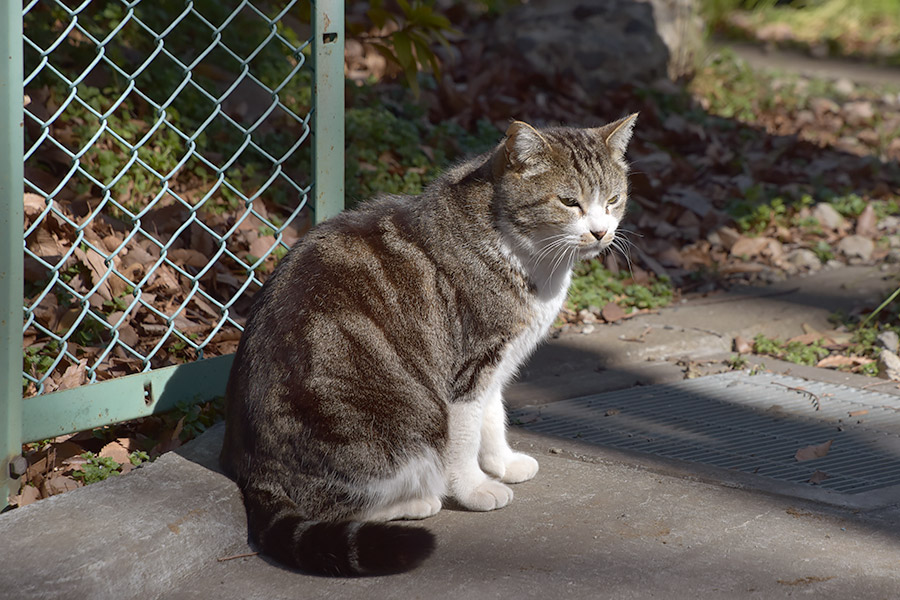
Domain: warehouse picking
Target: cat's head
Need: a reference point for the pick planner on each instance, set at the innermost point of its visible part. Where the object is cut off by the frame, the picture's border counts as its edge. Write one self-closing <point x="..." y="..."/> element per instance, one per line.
<point x="560" y="193"/>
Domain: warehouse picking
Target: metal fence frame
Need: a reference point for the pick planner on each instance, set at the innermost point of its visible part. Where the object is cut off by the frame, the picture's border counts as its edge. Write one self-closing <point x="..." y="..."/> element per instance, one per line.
<point x="157" y="390"/>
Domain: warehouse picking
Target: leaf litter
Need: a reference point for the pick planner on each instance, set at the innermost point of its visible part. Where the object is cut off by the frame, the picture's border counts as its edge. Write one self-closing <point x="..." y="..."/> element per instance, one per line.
<point x="718" y="201"/>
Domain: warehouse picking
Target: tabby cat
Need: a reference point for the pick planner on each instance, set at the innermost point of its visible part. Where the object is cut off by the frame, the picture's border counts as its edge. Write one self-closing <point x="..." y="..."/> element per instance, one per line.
<point x="368" y="383"/>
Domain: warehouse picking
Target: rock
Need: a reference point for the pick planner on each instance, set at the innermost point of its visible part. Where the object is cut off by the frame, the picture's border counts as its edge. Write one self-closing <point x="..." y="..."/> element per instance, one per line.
<point x="856" y="246"/>
<point x="867" y="223"/>
<point x="859" y="112"/>
<point x="889" y="365"/>
<point x="747" y="246"/>
<point x="804" y="258"/>
<point x="893" y="256"/>
<point x="888" y="340"/>
<point x="889" y="224"/>
<point x="598" y="44"/>
<point x="586" y="316"/>
<point x="827" y="216"/>
<point x="844" y="86"/>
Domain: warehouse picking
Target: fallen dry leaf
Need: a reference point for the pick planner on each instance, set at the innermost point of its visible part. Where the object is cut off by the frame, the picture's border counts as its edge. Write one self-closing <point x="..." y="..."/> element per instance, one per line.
<point x="818" y="477"/>
<point x="806" y="338"/>
<point x="96" y="265"/>
<point x="612" y="312"/>
<point x="115" y="451"/>
<point x="811" y="452"/>
<point x="59" y="484"/>
<point x="28" y="495"/>
<point x="743" y="345"/>
<point x="73" y="376"/>
<point x="170" y="439"/>
<point x="839" y="360"/>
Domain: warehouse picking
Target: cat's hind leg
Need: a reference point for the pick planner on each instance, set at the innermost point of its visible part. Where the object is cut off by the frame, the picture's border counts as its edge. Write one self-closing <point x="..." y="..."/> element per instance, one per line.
<point x="412" y="492"/>
<point x="495" y="455"/>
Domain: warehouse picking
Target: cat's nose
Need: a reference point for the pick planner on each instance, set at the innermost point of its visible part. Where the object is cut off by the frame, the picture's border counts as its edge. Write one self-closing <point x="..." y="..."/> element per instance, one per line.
<point x="598" y="234"/>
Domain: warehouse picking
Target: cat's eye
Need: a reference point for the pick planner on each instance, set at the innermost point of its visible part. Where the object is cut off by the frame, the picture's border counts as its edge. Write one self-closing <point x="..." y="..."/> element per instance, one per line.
<point x="568" y="201"/>
<point x="613" y="200"/>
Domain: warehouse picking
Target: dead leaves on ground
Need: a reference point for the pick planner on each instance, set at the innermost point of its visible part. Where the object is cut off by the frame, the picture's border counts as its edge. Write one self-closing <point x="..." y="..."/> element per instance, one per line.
<point x="183" y="272"/>
<point x="812" y="452"/>
<point x="52" y="464"/>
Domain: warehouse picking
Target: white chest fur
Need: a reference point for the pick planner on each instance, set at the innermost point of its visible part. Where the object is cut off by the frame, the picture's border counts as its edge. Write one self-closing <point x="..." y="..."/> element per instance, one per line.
<point x="545" y="310"/>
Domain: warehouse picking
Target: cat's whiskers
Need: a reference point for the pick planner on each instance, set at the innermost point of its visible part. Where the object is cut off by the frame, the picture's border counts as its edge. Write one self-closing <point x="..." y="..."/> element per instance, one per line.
<point x="548" y="252"/>
<point x="627" y="232"/>
<point x="619" y="244"/>
<point x="559" y="240"/>
<point x="566" y="254"/>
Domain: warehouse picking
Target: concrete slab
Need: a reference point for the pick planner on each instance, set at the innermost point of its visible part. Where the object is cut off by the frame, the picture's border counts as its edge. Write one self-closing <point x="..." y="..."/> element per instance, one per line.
<point x="601" y="529"/>
<point x="595" y="523"/>
<point x="126" y="537"/>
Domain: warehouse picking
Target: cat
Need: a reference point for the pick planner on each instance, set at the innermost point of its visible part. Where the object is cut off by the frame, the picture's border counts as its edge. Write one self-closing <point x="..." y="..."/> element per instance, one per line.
<point x="367" y="386"/>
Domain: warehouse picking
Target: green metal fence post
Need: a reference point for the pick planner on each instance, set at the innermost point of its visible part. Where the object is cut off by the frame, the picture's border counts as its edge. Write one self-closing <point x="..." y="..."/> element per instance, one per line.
<point x="11" y="246"/>
<point x="328" y="111"/>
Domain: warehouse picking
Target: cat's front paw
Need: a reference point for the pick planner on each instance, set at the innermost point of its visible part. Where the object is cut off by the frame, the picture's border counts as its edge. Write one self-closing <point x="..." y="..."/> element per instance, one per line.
<point x="489" y="495"/>
<point x="520" y="467"/>
<point x="513" y="467"/>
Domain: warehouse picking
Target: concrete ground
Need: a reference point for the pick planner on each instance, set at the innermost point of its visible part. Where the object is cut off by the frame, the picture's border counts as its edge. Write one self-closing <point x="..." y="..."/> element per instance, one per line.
<point x="594" y="523"/>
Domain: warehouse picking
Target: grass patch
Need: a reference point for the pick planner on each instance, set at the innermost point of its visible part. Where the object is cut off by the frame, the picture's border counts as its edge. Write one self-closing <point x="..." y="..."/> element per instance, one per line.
<point x="594" y="286"/>
<point x="868" y="29"/>
<point x="795" y="352"/>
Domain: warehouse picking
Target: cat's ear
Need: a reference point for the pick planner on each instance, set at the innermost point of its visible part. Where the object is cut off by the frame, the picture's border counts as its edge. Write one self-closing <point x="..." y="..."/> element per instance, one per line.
<point x="617" y="134"/>
<point x="525" y="147"/>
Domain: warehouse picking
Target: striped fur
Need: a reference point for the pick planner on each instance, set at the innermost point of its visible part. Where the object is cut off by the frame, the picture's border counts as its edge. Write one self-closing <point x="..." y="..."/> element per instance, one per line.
<point x="368" y="383"/>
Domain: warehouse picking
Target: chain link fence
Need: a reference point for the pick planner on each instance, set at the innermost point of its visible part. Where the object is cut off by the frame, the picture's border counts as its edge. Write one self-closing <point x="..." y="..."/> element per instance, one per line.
<point x="167" y="167"/>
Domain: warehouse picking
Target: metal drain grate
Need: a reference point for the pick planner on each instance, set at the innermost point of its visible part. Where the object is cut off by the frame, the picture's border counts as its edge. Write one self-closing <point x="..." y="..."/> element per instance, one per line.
<point x="749" y="423"/>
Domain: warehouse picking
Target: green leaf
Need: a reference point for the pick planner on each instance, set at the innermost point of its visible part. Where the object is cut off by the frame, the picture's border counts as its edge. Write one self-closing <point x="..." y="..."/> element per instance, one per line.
<point x="378" y="16"/>
<point x="403" y="48"/>
<point x="424" y="53"/>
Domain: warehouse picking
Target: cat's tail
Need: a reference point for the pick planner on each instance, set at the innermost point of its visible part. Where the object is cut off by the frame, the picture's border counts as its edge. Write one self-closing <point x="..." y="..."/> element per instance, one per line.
<point x="342" y="548"/>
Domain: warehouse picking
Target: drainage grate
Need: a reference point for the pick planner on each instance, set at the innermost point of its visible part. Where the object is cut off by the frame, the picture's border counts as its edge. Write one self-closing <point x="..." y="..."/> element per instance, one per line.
<point x="744" y="422"/>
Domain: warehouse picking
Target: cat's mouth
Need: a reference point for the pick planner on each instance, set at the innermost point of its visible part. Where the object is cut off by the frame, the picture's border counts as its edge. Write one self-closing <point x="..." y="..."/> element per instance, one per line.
<point x="593" y="249"/>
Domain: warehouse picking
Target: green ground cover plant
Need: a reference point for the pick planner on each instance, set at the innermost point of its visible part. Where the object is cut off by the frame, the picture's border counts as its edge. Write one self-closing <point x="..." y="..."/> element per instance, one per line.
<point x="847" y="28"/>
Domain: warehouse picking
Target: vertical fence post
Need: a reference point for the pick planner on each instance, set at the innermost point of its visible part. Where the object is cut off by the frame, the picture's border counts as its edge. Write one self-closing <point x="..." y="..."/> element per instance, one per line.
<point x="11" y="245"/>
<point x="328" y="108"/>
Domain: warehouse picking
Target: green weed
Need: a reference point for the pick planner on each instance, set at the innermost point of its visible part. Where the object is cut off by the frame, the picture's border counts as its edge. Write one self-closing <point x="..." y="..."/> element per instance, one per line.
<point x="97" y="468"/>
<point x="737" y="362"/>
<point x="197" y="418"/>
<point x="138" y="457"/>
<point x="823" y="251"/>
<point x="795" y="352"/>
<point x="593" y="285"/>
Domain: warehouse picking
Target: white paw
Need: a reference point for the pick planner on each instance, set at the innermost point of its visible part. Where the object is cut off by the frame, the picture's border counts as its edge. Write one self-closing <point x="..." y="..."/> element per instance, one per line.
<point x="520" y="467"/>
<point x="494" y="465"/>
<point x="422" y="508"/>
<point x="412" y="510"/>
<point x="489" y="495"/>
<point x="512" y="467"/>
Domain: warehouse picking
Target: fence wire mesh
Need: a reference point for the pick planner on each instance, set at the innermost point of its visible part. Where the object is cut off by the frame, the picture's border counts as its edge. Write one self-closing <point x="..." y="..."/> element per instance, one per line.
<point x="167" y="168"/>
